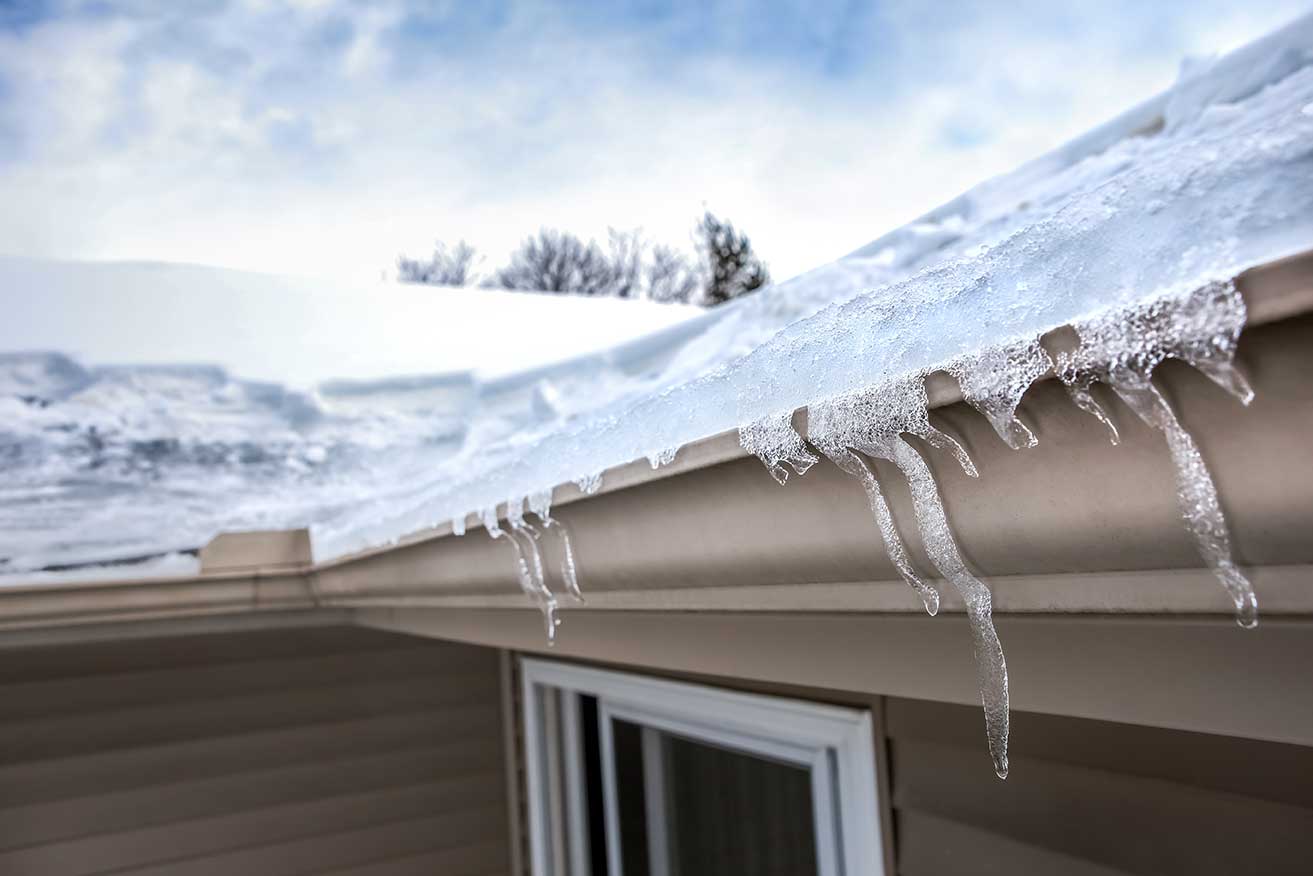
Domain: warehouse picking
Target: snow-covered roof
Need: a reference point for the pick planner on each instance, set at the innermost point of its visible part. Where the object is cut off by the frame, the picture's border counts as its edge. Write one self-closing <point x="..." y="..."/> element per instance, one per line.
<point x="1191" y="187"/>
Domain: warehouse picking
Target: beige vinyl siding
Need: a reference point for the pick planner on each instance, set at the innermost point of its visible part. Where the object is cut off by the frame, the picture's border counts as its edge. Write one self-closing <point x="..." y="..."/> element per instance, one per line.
<point x="1092" y="797"/>
<point x="334" y="750"/>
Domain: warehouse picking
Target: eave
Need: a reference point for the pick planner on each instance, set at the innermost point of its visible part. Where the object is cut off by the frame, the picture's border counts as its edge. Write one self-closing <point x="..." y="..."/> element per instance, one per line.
<point x="1074" y="525"/>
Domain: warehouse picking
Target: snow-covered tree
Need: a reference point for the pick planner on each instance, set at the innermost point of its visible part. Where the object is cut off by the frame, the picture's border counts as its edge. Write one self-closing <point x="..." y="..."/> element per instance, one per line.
<point x="733" y="268"/>
<point x="449" y="266"/>
<point x="629" y="267"/>
<point x="557" y="261"/>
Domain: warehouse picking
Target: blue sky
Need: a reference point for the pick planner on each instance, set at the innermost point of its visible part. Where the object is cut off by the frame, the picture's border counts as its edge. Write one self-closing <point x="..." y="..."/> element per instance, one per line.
<point x="324" y="137"/>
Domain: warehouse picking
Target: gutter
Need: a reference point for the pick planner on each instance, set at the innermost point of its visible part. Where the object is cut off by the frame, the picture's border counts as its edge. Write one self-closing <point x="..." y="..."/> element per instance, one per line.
<point x="1073" y="526"/>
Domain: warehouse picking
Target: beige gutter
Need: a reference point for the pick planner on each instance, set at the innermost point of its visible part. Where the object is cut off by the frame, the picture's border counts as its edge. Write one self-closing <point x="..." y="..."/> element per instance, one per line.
<point x="1071" y="526"/>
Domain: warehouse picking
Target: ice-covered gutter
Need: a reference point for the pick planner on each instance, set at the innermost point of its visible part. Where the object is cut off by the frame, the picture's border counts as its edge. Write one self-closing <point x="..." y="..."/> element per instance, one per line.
<point x="1130" y="242"/>
<point x="1222" y="186"/>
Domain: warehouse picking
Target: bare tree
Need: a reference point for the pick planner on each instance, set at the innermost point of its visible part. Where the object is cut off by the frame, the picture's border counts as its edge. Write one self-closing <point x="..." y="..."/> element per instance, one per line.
<point x="734" y="268"/>
<point x="671" y="276"/>
<point x="556" y="261"/>
<point x="448" y="267"/>
<point x="626" y="260"/>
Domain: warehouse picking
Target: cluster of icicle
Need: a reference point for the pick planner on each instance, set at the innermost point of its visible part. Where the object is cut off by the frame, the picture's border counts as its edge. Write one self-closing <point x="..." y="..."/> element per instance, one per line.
<point x="1120" y="347"/>
<point x="526" y="539"/>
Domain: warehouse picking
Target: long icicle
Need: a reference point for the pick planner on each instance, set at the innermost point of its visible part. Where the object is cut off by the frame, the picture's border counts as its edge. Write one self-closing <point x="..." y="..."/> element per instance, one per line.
<point x="540" y="505"/>
<point x="1121" y="347"/>
<point x="991" y="667"/>
<point x="1196" y="494"/>
<point x="873" y="422"/>
<point x="776" y="443"/>
<point x="855" y="466"/>
<point x="530" y="576"/>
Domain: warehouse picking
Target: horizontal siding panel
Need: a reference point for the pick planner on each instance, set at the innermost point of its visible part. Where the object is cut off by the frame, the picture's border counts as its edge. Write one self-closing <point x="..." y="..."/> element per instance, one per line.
<point x="316" y="854"/>
<point x="162" y="764"/>
<point x="1272" y="771"/>
<point x="160" y="804"/>
<point x="135" y="848"/>
<point x="273" y="752"/>
<point x="1124" y="799"/>
<point x="46" y="699"/>
<point x="482" y="860"/>
<point x="1119" y="820"/>
<point x="206" y="649"/>
<point x="232" y="715"/>
<point x="930" y="846"/>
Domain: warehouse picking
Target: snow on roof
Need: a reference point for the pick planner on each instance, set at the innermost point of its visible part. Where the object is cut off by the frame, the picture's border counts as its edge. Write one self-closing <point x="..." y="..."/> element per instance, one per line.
<point x="1193" y="186"/>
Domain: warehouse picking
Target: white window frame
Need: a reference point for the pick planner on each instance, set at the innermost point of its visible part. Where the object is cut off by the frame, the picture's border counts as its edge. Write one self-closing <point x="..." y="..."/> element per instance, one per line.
<point x="835" y="744"/>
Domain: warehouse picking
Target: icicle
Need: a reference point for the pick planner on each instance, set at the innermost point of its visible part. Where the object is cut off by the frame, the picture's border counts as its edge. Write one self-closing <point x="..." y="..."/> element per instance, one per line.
<point x="1121" y="347"/>
<point x="994" y="380"/>
<point x="858" y="468"/>
<point x="569" y="568"/>
<point x="873" y="422"/>
<point x="1196" y="494"/>
<point x="589" y="484"/>
<point x="991" y="667"/>
<point x="540" y="504"/>
<point x="529" y="536"/>
<point x="458" y="525"/>
<point x="489" y="518"/>
<point x="774" y="441"/>
<point x="1078" y="386"/>
<point x="662" y="457"/>
<point x="529" y="576"/>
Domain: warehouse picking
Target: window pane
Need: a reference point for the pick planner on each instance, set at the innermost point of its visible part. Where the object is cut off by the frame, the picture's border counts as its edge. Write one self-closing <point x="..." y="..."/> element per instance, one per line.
<point x="628" y="740"/>
<point x="592" y="763"/>
<point x="724" y="811"/>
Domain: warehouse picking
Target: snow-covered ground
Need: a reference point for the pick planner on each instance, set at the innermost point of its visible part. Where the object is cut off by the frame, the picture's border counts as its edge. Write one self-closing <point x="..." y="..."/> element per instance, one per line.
<point x="323" y="397"/>
<point x="109" y="462"/>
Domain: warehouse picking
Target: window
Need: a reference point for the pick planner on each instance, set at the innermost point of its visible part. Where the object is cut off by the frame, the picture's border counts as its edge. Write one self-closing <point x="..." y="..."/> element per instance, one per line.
<point x="637" y="776"/>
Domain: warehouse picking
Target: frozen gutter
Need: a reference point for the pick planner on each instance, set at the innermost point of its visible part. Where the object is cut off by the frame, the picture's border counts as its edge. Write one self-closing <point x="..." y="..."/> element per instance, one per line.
<point x="711" y="532"/>
<point x="1272" y="292"/>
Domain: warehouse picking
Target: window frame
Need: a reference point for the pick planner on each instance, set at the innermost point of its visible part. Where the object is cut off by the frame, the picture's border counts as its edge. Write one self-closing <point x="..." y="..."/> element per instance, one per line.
<point x="836" y="745"/>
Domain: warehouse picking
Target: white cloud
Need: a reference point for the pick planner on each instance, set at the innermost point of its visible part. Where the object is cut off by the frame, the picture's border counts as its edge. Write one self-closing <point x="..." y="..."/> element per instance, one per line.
<point x="303" y="137"/>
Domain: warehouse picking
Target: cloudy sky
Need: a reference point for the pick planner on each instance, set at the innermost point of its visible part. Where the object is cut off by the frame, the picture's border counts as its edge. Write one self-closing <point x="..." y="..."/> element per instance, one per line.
<point x="324" y="137"/>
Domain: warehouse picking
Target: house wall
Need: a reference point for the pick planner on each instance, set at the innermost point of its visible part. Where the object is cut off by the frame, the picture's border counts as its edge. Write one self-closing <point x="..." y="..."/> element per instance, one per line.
<point x="319" y="750"/>
<point x="1084" y="797"/>
<point x="1092" y="797"/>
<point x="1168" y="747"/>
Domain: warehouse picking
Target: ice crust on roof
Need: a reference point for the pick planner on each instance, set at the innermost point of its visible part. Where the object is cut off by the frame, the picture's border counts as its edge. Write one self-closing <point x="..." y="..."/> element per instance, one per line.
<point x="1156" y="209"/>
